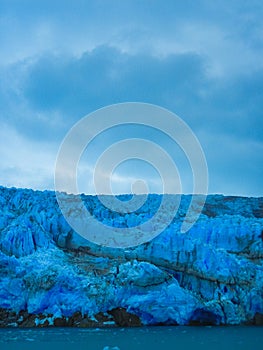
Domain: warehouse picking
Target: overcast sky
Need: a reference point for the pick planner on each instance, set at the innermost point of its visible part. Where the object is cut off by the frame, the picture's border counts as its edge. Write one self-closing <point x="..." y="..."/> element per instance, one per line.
<point x="201" y="59"/>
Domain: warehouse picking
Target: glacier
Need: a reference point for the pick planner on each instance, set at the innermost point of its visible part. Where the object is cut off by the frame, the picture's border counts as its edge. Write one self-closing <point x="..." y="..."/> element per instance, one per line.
<point x="51" y="276"/>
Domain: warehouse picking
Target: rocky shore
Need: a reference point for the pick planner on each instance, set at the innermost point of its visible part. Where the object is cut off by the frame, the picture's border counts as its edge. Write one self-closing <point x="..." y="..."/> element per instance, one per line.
<point x="118" y="317"/>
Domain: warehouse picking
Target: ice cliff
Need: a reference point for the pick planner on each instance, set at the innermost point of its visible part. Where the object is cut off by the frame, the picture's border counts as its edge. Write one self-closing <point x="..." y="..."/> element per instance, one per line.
<point x="213" y="274"/>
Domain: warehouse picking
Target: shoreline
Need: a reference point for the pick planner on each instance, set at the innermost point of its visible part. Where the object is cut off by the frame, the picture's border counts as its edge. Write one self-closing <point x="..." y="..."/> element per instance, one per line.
<point x="116" y="318"/>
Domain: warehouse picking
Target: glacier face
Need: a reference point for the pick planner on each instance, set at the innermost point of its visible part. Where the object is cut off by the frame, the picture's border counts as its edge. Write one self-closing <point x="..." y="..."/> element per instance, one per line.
<point x="213" y="274"/>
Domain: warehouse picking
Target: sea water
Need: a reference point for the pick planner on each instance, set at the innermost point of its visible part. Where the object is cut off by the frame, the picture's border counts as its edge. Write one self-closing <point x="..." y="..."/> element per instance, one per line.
<point x="152" y="338"/>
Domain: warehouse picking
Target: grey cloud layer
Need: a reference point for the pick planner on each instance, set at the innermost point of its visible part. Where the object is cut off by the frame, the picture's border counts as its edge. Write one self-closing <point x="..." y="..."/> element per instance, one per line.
<point x="72" y="87"/>
<point x="203" y="60"/>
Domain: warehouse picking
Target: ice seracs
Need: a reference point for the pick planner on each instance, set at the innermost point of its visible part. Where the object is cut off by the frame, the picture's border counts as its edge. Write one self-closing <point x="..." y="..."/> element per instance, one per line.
<point x="212" y="274"/>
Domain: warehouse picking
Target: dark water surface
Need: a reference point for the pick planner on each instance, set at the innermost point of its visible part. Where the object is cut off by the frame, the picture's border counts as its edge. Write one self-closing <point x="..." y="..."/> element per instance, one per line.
<point x="197" y="338"/>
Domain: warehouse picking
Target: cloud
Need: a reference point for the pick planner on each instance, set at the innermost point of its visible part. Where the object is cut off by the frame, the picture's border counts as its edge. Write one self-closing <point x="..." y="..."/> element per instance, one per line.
<point x="54" y="91"/>
<point x="25" y="163"/>
<point x="229" y="33"/>
<point x="234" y="164"/>
<point x="105" y="75"/>
<point x="61" y="60"/>
<point x="44" y="96"/>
